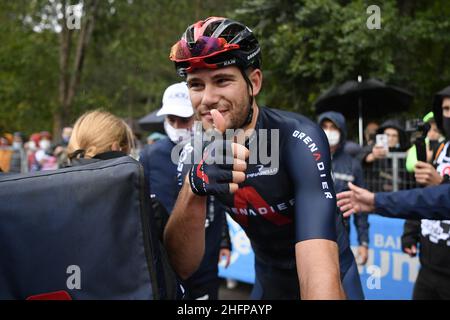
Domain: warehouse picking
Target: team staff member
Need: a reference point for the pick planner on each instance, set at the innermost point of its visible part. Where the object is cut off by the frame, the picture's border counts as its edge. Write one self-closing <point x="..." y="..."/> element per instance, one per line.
<point x="161" y="174"/>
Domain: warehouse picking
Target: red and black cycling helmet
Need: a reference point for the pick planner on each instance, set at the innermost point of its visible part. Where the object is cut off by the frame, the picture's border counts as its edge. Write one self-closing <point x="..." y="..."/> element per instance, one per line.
<point x="214" y="43"/>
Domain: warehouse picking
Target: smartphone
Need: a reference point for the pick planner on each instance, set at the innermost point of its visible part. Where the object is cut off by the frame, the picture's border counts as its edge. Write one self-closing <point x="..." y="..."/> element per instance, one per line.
<point x="382" y="141"/>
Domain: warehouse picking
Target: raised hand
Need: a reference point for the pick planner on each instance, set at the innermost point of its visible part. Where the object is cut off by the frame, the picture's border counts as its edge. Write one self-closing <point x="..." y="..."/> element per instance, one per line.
<point x="223" y="165"/>
<point x="356" y="200"/>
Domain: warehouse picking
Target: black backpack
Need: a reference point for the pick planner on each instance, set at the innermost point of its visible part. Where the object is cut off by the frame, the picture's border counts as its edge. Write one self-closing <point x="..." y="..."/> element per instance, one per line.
<point x="87" y="231"/>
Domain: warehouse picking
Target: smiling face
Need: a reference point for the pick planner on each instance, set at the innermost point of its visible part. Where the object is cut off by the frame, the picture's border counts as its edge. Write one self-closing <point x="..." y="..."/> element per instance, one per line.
<point x="223" y="89"/>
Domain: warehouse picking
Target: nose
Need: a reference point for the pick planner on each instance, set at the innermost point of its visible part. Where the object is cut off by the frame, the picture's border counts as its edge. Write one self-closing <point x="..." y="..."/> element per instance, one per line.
<point x="210" y="98"/>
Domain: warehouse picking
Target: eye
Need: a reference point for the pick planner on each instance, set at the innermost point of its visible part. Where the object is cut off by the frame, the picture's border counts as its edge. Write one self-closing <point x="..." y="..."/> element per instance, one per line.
<point x="223" y="81"/>
<point x="195" y="85"/>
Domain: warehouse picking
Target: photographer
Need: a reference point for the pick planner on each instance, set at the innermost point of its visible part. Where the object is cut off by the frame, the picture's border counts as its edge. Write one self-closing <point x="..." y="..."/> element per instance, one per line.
<point x="377" y="166"/>
<point x="434" y="140"/>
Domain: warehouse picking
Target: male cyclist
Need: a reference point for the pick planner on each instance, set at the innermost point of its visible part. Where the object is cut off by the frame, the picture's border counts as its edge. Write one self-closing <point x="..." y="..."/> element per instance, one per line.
<point x="288" y="211"/>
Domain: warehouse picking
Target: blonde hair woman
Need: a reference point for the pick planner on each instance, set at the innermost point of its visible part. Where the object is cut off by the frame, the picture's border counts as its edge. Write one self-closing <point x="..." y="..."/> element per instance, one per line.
<point x="99" y="133"/>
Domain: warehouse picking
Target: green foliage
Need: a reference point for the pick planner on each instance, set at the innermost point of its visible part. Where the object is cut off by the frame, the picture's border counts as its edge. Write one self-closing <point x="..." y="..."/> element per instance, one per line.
<point x="28" y="79"/>
<point x="310" y="45"/>
<point x="126" y="67"/>
<point x="307" y="45"/>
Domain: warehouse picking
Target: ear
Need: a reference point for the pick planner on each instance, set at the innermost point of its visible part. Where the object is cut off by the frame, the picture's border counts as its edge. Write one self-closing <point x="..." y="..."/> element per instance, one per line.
<point x="116" y="146"/>
<point x="256" y="78"/>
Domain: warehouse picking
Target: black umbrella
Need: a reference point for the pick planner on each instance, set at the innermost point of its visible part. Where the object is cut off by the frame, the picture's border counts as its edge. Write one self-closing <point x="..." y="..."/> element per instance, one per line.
<point x="367" y="98"/>
<point x="152" y="122"/>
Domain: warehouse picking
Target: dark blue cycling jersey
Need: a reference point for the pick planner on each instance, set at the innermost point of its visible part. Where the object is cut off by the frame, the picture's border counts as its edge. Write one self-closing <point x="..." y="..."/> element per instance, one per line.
<point x="278" y="206"/>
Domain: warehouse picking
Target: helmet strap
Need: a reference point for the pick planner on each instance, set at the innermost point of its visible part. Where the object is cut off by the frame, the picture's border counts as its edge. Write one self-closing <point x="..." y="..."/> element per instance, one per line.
<point x="249" y="117"/>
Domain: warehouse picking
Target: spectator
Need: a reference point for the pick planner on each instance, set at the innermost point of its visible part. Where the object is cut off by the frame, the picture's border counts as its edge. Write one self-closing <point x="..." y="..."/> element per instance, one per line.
<point x="60" y="150"/>
<point x="433" y="141"/>
<point x="31" y="147"/>
<point x="45" y="159"/>
<point x="434" y="236"/>
<point x="370" y="132"/>
<point x="18" y="153"/>
<point x="155" y="136"/>
<point x="99" y="135"/>
<point x="5" y="152"/>
<point x="346" y="169"/>
<point x="378" y="167"/>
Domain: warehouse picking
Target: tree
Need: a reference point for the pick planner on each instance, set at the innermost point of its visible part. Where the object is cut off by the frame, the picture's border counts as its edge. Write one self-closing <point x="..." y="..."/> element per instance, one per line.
<point x="69" y="79"/>
<point x="117" y="60"/>
<point x="310" y="45"/>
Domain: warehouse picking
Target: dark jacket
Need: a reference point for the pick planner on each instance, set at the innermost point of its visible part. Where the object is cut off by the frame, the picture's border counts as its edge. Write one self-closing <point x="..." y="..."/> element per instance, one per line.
<point x="420" y="203"/>
<point x="161" y="173"/>
<point x="347" y="169"/>
<point x="423" y="203"/>
<point x="434" y="236"/>
<point x="437" y="106"/>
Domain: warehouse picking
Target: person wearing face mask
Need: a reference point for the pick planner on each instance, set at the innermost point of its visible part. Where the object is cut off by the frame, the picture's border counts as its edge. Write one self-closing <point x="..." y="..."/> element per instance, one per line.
<point x="161" y="173"/>
<point x="433" y="280"/>
<point x="156" y="158"/>
<point x="60" y="150"/>
<point x="18" y="153"/>
<point x="31" y="147"/>
<point x="434" y="141"/>
<point x="345" y="169"/>
<point x="44" y="156"/>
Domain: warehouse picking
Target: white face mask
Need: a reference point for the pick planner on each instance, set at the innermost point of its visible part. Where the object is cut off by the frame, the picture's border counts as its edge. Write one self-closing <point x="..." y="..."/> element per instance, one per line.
<point x="333" y="137"/>
<point x="177" y="135"/>
<point x="45" y="144"/>
<point x="32" y="145"/>
<point x="17" y="145"/>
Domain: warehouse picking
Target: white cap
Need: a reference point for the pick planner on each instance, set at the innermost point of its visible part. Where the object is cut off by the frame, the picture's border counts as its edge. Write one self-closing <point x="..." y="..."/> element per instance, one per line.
<point x="176" y="101"/>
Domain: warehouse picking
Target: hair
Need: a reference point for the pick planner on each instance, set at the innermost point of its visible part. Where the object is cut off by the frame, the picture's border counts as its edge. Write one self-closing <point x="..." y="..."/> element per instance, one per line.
<point x="96" y="131"/>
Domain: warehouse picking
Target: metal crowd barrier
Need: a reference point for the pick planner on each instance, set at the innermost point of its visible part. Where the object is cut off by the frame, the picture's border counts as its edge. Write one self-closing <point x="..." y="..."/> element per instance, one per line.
<point x="19" y="154"/>
<point x="389" y="174"/>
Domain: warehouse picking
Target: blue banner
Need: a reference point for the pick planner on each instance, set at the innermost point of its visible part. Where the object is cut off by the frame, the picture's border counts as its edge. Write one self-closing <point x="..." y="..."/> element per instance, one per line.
<point x="388" y="274"/>
<point x="242" y="257"/>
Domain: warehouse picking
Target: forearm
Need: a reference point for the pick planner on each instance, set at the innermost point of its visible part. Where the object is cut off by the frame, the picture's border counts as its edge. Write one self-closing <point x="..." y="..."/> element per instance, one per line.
<point x="318" y="270"/>
<point x="184" y="235"/>
<point x="425" y="203"/>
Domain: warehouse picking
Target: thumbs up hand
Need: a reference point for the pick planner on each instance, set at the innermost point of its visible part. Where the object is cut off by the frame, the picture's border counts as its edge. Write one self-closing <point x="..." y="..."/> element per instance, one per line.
<point x="223" y="165"/>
